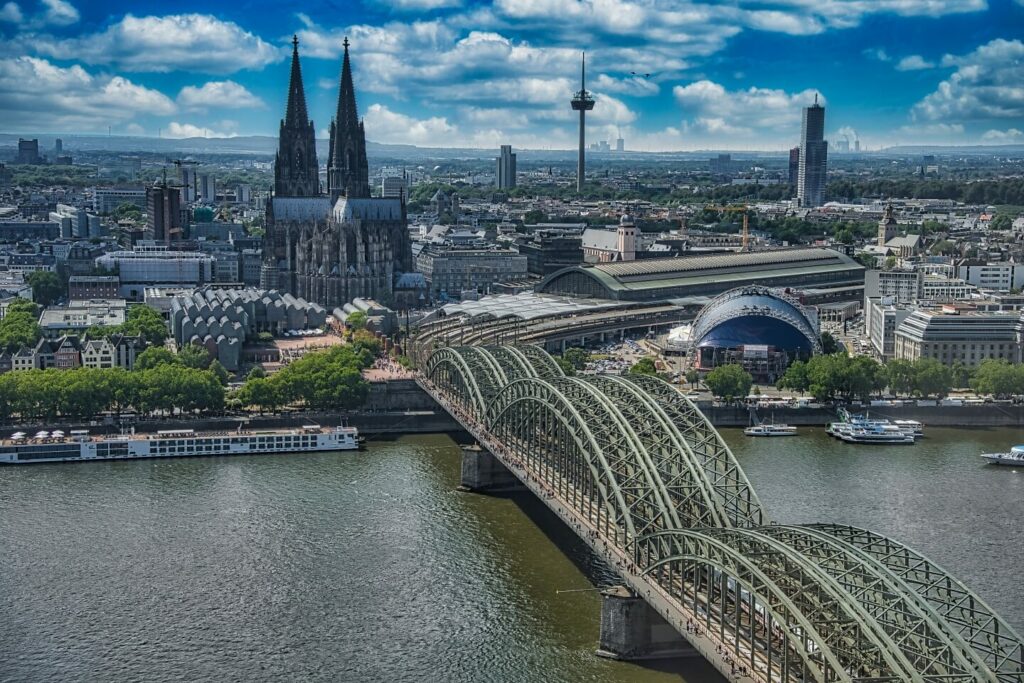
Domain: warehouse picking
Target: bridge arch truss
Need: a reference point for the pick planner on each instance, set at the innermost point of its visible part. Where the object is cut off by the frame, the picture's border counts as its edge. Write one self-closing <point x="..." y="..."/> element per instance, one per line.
<point x="643" y="465"/>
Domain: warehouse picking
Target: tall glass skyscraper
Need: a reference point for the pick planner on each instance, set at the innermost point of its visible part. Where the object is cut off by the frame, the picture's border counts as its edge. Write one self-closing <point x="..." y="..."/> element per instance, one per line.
<point x="810" y="187"/>
<point x="506" y="175"/>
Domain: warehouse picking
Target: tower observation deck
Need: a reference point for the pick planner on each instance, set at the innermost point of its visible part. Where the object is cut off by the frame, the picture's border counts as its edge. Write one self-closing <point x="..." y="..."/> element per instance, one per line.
<point x="582" y="102"/>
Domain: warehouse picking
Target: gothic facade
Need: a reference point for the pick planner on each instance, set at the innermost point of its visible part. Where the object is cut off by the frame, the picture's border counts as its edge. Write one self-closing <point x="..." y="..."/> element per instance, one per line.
<point x="330" y="248"/>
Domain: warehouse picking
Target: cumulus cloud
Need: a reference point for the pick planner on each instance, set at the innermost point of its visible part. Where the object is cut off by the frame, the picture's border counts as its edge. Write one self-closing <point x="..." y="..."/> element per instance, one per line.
<point x="709" y="107"/>
<point x="218" y="95"/>
<point x="914" y="63"/>
<point x="187" y="130"/>
<point x="188" y="42"/>
<point x="988" y="84"/>
<point x="37" y="95"/>
<point x="878" y="53"/>
<point x="417" y="5"/>
<point x="1008" y="135"/>
<point x="384" y="125"/>
<point x="58" y="13"/>
<point x="11" y="13"/>
<point x="932" y="133"/>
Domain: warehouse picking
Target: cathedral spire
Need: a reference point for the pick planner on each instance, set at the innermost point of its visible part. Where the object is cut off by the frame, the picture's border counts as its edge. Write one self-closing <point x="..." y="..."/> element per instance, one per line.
<point x="347" y="168"/>
<point x="295" y="114"/>
<point x="296" y="170"/>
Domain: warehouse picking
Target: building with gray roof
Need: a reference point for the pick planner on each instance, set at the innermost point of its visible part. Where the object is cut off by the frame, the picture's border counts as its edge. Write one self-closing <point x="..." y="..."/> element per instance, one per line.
<point x="835" y="275"/>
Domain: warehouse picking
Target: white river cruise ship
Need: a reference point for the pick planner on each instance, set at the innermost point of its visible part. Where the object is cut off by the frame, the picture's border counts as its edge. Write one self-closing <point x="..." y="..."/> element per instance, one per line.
<point x="80" y="446"/>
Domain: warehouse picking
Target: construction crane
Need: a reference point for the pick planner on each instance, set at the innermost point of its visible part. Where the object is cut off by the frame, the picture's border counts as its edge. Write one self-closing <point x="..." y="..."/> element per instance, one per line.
<point x="195" y="179"/>
<point x="745" y="209"/>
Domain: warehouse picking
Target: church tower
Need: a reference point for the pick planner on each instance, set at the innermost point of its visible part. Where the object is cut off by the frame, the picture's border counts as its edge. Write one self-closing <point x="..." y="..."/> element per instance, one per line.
<point x="348" y="173"/>
<point x="296" y="171"/>
<point x="887" y="227"/>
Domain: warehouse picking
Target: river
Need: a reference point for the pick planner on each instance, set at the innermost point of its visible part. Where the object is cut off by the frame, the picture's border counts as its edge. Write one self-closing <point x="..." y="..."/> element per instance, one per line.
<point x="370" y="566"/>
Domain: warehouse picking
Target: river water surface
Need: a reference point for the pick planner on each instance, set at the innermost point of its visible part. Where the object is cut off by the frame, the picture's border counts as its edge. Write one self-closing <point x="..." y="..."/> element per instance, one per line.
<point x="369" y="566"/>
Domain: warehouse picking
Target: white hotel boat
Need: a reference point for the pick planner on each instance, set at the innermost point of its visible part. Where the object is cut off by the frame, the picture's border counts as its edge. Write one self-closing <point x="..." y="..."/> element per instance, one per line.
<point x="175" y="443"/>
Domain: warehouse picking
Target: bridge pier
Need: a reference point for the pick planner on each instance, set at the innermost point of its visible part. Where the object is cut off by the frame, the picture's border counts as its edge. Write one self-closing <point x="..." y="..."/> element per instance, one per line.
<point x="481" y="471"/>
<point x="632" y="630"/>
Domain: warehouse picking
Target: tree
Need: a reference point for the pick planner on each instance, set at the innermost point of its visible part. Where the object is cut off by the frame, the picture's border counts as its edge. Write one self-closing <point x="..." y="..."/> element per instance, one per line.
<point x="154" y="356"/>
<point x="256" y="372"/>
<point x="932" y="378"/>
<point x="829" y="343"/>
<point x="902" y="376"/>
<point x="693" y="376"/>
<point x="567" y="367"/>
<point x="644" y="366"/>
<point x="19" y="326"/>
<point x="729" y="382"/>
<point x="999" y="378"/>
<point x="534" y="216"/>
<point x="193" y="356"/>
<point x="356" y="320"/>
<point x="960" y="374"/>
<point x="577" y="357"/>
<point x="260" y="392"/>
<point x="220" y="372"/>
<point x="795" y="377"/>
<point x="46" y="286"/>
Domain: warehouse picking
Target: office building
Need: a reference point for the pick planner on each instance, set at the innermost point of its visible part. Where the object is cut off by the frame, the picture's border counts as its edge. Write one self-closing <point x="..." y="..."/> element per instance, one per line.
<point x="721" y="164"/>
<point x="81" y="315"/>
<point x="1001" y="277"/>
<point x="189" y="184"/>
<point x="451" y="272"/>
<point x="207" y="188"/>
<point x="163" y="210"/>
<point x="547" y="252"/>
<point x="506" y="174"/>
<point x="810" y="191"/>
<point x="394" y="187"/>
<point x="28" y="152"/>
<point x="93" y="286"/>
<point x="794" y="166"/>
<point x="157" y="266"/>
<point x="106" y="200"/>
<point x="960" y="333"/>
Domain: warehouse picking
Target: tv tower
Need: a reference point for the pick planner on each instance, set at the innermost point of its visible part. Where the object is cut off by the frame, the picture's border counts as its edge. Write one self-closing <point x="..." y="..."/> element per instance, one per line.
<point x="582" y="102"/>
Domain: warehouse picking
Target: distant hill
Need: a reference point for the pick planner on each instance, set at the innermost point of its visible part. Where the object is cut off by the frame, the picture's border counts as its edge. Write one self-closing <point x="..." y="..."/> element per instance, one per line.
<point x="1012" y="150"/>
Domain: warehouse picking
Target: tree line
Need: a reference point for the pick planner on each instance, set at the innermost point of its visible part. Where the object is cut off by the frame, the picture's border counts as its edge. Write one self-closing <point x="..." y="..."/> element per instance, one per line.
<point x="324" y="380"/>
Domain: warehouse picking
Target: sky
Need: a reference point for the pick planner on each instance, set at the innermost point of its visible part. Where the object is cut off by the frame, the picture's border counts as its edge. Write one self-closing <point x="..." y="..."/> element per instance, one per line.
<point x="666" y="74"/>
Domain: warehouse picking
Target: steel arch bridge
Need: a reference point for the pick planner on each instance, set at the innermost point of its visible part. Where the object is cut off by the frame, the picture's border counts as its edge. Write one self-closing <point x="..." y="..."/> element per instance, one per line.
<point x="653" y="481"/>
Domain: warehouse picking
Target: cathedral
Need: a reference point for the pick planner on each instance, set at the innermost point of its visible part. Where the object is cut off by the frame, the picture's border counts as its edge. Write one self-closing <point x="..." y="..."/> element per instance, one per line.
<point x="330" y="248"/>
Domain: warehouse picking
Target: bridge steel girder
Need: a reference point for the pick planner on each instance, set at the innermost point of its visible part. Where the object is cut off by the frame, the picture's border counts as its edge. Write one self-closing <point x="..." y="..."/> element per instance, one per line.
<point x="542" y="362"/>
<point x="734" y="491"/>
<point x="643" y="464"/>
<point x="926" y="638"/>
<point x="547" y="432"/>
<point x="447" y="368"/>
<point x="512" y="360"/>
<point x="866" y="650"/>
<point x="991" y="638"/>
<point x="678" y="466"/>
<point x="695" y="569"/>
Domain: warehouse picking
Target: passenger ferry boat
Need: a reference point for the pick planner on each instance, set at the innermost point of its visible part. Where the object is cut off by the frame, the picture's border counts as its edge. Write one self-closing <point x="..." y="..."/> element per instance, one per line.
<point x="1014" y="458"/>
<point x="862" y="429"/>
<point x="770" y="430"/>
<point x="79" y="446"/>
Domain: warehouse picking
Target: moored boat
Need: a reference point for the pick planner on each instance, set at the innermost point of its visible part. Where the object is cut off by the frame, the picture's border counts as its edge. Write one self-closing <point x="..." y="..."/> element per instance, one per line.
<point x="80" y="446"/>
<point x="770" y="430"/>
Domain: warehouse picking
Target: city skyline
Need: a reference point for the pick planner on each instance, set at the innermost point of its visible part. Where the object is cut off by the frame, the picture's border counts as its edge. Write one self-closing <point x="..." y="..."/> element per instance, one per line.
<point x="448" y="73"/>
